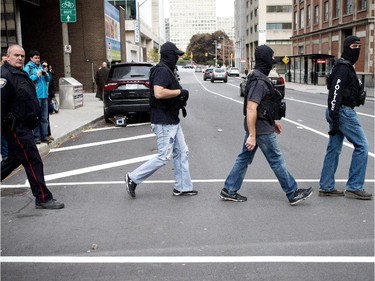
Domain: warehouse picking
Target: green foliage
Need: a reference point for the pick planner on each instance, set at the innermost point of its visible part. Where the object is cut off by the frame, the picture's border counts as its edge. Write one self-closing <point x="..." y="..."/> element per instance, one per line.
<point x="153" y="55"/>
<point x="200" y="44"/>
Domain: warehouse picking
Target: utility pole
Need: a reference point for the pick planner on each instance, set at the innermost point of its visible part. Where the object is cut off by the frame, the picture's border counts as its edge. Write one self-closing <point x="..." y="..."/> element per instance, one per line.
<point x="139" y="29"/>
<point x="215" y="42"/>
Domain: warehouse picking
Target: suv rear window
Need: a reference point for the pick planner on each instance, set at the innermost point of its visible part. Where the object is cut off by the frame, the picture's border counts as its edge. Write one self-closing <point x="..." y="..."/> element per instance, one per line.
<point x="130" y="71"/>
<point x="219" y="70"/>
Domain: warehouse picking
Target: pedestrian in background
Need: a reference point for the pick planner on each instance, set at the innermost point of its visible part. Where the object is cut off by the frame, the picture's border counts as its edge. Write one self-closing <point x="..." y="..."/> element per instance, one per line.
<point x="40" y="77"/>
<point x="20" y="114"/>
<point x="346" y="92"/>
<point x="167" y="98"/>
<point x="261" y="133"/>
<point x="51" y="95"/>
<point x="100" y="79"/>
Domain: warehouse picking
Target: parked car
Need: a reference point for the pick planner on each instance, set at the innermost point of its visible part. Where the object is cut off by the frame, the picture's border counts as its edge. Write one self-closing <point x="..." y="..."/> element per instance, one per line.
<point x="127" y="90"/>
<point x="198" y="69"/>
<point x="234" y="71"/>
<point x="275" y="78"/>
<point x="207" y="74"/>
<point x="219" y="74"/>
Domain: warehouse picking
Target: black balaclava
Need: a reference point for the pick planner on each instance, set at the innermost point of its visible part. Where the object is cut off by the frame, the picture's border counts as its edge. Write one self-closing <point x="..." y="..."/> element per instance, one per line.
<point x="169" y="58"/>
<point x="263" y="59"/>
<point x="169" y="54"/>
<point x="349" y="54"/>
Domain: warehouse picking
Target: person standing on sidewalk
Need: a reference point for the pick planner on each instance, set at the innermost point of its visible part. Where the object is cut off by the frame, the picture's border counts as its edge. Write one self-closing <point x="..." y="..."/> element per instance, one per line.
<point x="260" y="132"/>
<point x="20" y="113"/>
<point x="166" y="100"/>
<point x="100" y="79"/>
<point x="345" y="92"/>
<point x="40" y="77"/>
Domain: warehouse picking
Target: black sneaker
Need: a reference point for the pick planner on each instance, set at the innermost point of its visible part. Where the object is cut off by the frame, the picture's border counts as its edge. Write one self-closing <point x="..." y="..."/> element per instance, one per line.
<point x="235" y="197"/>
<point x="51" y="204"/>
<point x="362" y="194"/>
<point x="300" y="195"/>
<point x="182" y="193"/>
<point x="130" y="186"/>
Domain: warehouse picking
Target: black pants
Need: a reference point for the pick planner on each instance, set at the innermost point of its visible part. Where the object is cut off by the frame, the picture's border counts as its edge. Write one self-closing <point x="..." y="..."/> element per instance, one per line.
<point x="23" y="151"/>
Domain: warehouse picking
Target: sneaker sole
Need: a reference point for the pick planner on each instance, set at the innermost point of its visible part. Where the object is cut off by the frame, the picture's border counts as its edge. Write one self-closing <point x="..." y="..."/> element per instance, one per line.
<point x="302" y="199"/>
<point x="230" y="199"/>
<point x="355" y="196"/>
<point x="184" y="194"/>
<point x="331" y="194"/>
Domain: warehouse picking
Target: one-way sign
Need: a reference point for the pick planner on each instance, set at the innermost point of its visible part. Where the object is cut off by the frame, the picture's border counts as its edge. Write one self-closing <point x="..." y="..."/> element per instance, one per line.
<point x="68" y="11"/>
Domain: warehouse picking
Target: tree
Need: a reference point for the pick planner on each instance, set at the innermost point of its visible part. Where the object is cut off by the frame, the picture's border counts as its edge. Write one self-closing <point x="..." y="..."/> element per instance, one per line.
<point x="202" y="44"/>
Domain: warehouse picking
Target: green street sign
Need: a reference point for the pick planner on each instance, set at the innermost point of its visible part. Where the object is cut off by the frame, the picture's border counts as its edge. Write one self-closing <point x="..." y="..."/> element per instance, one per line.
<point x="68" y="11"/>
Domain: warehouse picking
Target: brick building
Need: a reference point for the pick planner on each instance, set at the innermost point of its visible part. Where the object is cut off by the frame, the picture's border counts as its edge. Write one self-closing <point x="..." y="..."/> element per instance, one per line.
<point x="319" y="29"/>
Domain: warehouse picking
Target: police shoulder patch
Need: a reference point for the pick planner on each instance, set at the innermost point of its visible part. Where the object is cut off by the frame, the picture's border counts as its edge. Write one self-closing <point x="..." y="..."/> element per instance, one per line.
<point x="3" y="82"/>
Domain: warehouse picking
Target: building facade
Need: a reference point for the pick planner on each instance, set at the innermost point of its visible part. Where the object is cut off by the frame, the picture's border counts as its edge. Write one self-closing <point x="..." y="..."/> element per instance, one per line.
<point x="191" y="17"/>
<point x="319" y="30"/>
<point x="262" y="22"/>
<point x="103" y="31"/>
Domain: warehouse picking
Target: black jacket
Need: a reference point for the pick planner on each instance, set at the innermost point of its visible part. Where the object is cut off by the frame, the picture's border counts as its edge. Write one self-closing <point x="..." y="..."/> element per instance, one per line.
<point x="18" y="97"/>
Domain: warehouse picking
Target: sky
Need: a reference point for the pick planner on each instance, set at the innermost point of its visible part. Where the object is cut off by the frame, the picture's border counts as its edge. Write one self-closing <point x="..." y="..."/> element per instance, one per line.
<point x="224" y="8"/>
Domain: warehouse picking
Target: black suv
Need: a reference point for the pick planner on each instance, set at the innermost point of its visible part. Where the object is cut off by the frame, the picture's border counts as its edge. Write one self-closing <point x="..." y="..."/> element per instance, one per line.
<point x="127" y="90"/>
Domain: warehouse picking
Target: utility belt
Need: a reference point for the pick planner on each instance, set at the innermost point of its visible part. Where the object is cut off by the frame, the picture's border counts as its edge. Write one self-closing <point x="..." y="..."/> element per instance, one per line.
<point x="13" y="122"/>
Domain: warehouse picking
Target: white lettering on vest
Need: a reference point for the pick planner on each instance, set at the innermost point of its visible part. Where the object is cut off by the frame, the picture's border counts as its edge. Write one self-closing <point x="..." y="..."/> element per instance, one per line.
<point x="337" y="87"/>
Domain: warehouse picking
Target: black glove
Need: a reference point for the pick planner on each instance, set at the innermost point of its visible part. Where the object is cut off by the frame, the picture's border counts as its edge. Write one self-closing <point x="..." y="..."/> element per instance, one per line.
<point x="184" y="96"/>
<point x="333" y="132"/>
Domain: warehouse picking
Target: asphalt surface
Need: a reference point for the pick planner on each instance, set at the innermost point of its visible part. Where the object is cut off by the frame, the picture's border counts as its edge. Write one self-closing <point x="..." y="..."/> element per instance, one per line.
<point x="102" y="234"/>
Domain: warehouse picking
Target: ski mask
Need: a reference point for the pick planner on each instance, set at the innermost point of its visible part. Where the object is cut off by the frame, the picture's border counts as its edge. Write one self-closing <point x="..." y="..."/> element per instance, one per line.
<point x="264" y="59"/>
<point x="169" y="54"/>
<point x="350" y="54"/>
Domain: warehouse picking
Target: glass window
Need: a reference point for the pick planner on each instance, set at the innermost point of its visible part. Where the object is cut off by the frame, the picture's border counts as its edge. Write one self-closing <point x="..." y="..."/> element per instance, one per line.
<point x="349" y="7"/>
<point x="326" y="10"/>
<point x="8" y="25"/>
<point x="337" y="8"/>
<point x="316" y="18"/>
<point x="308" y="19"/>
<point x="279" y="9"/>
<point x="302" y="18"/>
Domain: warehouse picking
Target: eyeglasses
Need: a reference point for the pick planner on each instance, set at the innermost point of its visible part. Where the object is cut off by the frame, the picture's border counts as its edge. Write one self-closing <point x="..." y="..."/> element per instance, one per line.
<point x="355" y="46"/>
<point x="45" y="65"/>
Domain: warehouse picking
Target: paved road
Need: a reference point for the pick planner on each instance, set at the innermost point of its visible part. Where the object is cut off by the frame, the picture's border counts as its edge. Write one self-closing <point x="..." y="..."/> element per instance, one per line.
<point x="102" y="234"/>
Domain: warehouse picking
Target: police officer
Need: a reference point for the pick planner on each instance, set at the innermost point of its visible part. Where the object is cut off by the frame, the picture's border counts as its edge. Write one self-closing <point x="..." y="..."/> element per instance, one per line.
<point x="167" y="98"/>
<point x="345" y="93"/>
<point x="260" y="132"/>
<point x="20" y="113"/>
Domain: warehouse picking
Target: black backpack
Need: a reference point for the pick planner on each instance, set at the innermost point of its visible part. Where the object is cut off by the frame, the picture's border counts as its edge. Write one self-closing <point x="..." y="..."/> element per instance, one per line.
<point x="272" y="107"/>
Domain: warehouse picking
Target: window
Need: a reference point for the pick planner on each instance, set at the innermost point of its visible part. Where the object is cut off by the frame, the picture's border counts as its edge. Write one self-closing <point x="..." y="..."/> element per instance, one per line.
<point x="255" y="12"/>
<point x="302" y="18"/>
<point x="326" y="11"/>
<point x="279" y="26"/>
<point x="316" y="18"/>
<point x="349" y="7"/>
<point x="337" y="8"/>
<point x="279" y="9"/>
<point x="295" y="20"/>
<point x="308" y="16"/>
<point x="362" y="5"/>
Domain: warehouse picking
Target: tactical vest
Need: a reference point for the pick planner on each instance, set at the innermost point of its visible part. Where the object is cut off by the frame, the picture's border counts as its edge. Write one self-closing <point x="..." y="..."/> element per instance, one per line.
<point x="354" y="94"/>
<point x="272" y="107"/>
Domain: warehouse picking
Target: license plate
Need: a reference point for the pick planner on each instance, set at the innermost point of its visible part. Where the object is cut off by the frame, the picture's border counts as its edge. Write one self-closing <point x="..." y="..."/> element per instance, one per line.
<point x="131" y="86"/>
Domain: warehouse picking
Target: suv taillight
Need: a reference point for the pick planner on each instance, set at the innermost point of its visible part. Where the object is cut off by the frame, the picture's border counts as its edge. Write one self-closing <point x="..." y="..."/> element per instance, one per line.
<point x="282" y="80"/>
<point x="110" y="86"/>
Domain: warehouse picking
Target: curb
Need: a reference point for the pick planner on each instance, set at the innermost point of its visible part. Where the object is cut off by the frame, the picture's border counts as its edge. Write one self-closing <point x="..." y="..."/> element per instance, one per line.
<point x="44" y="148"/>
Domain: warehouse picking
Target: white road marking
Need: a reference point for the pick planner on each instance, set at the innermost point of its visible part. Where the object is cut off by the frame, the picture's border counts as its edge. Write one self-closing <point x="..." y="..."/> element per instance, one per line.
<point x="187" y="259"/>
<point x="101" y="143"/>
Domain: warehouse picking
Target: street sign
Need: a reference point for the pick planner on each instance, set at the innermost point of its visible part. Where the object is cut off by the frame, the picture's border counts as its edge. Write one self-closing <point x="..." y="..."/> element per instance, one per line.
<point x="285" y="60"/>
<point x="68" y="12"/>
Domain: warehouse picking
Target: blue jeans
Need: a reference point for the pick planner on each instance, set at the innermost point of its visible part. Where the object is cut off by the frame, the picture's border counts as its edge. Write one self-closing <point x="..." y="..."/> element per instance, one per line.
<point x="171" y="143"/>
<point x="268" y="145"/>
<point x="350" y="128"/>
<point x="41" y="132"/>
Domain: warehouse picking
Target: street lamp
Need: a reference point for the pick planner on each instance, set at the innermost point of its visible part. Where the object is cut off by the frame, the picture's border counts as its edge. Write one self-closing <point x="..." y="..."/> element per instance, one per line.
<point x="223" y="48"/>
<point x="215" y="42"/>
<point x="139" y="29"/>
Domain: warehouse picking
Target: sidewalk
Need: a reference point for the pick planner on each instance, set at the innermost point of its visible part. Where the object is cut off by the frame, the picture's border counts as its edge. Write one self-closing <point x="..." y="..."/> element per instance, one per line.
<point x="68" y="122"/>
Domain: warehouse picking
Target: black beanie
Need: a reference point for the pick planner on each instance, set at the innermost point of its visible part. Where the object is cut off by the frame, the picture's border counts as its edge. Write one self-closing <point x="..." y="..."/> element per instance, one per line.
<point x="349" y="54"/>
